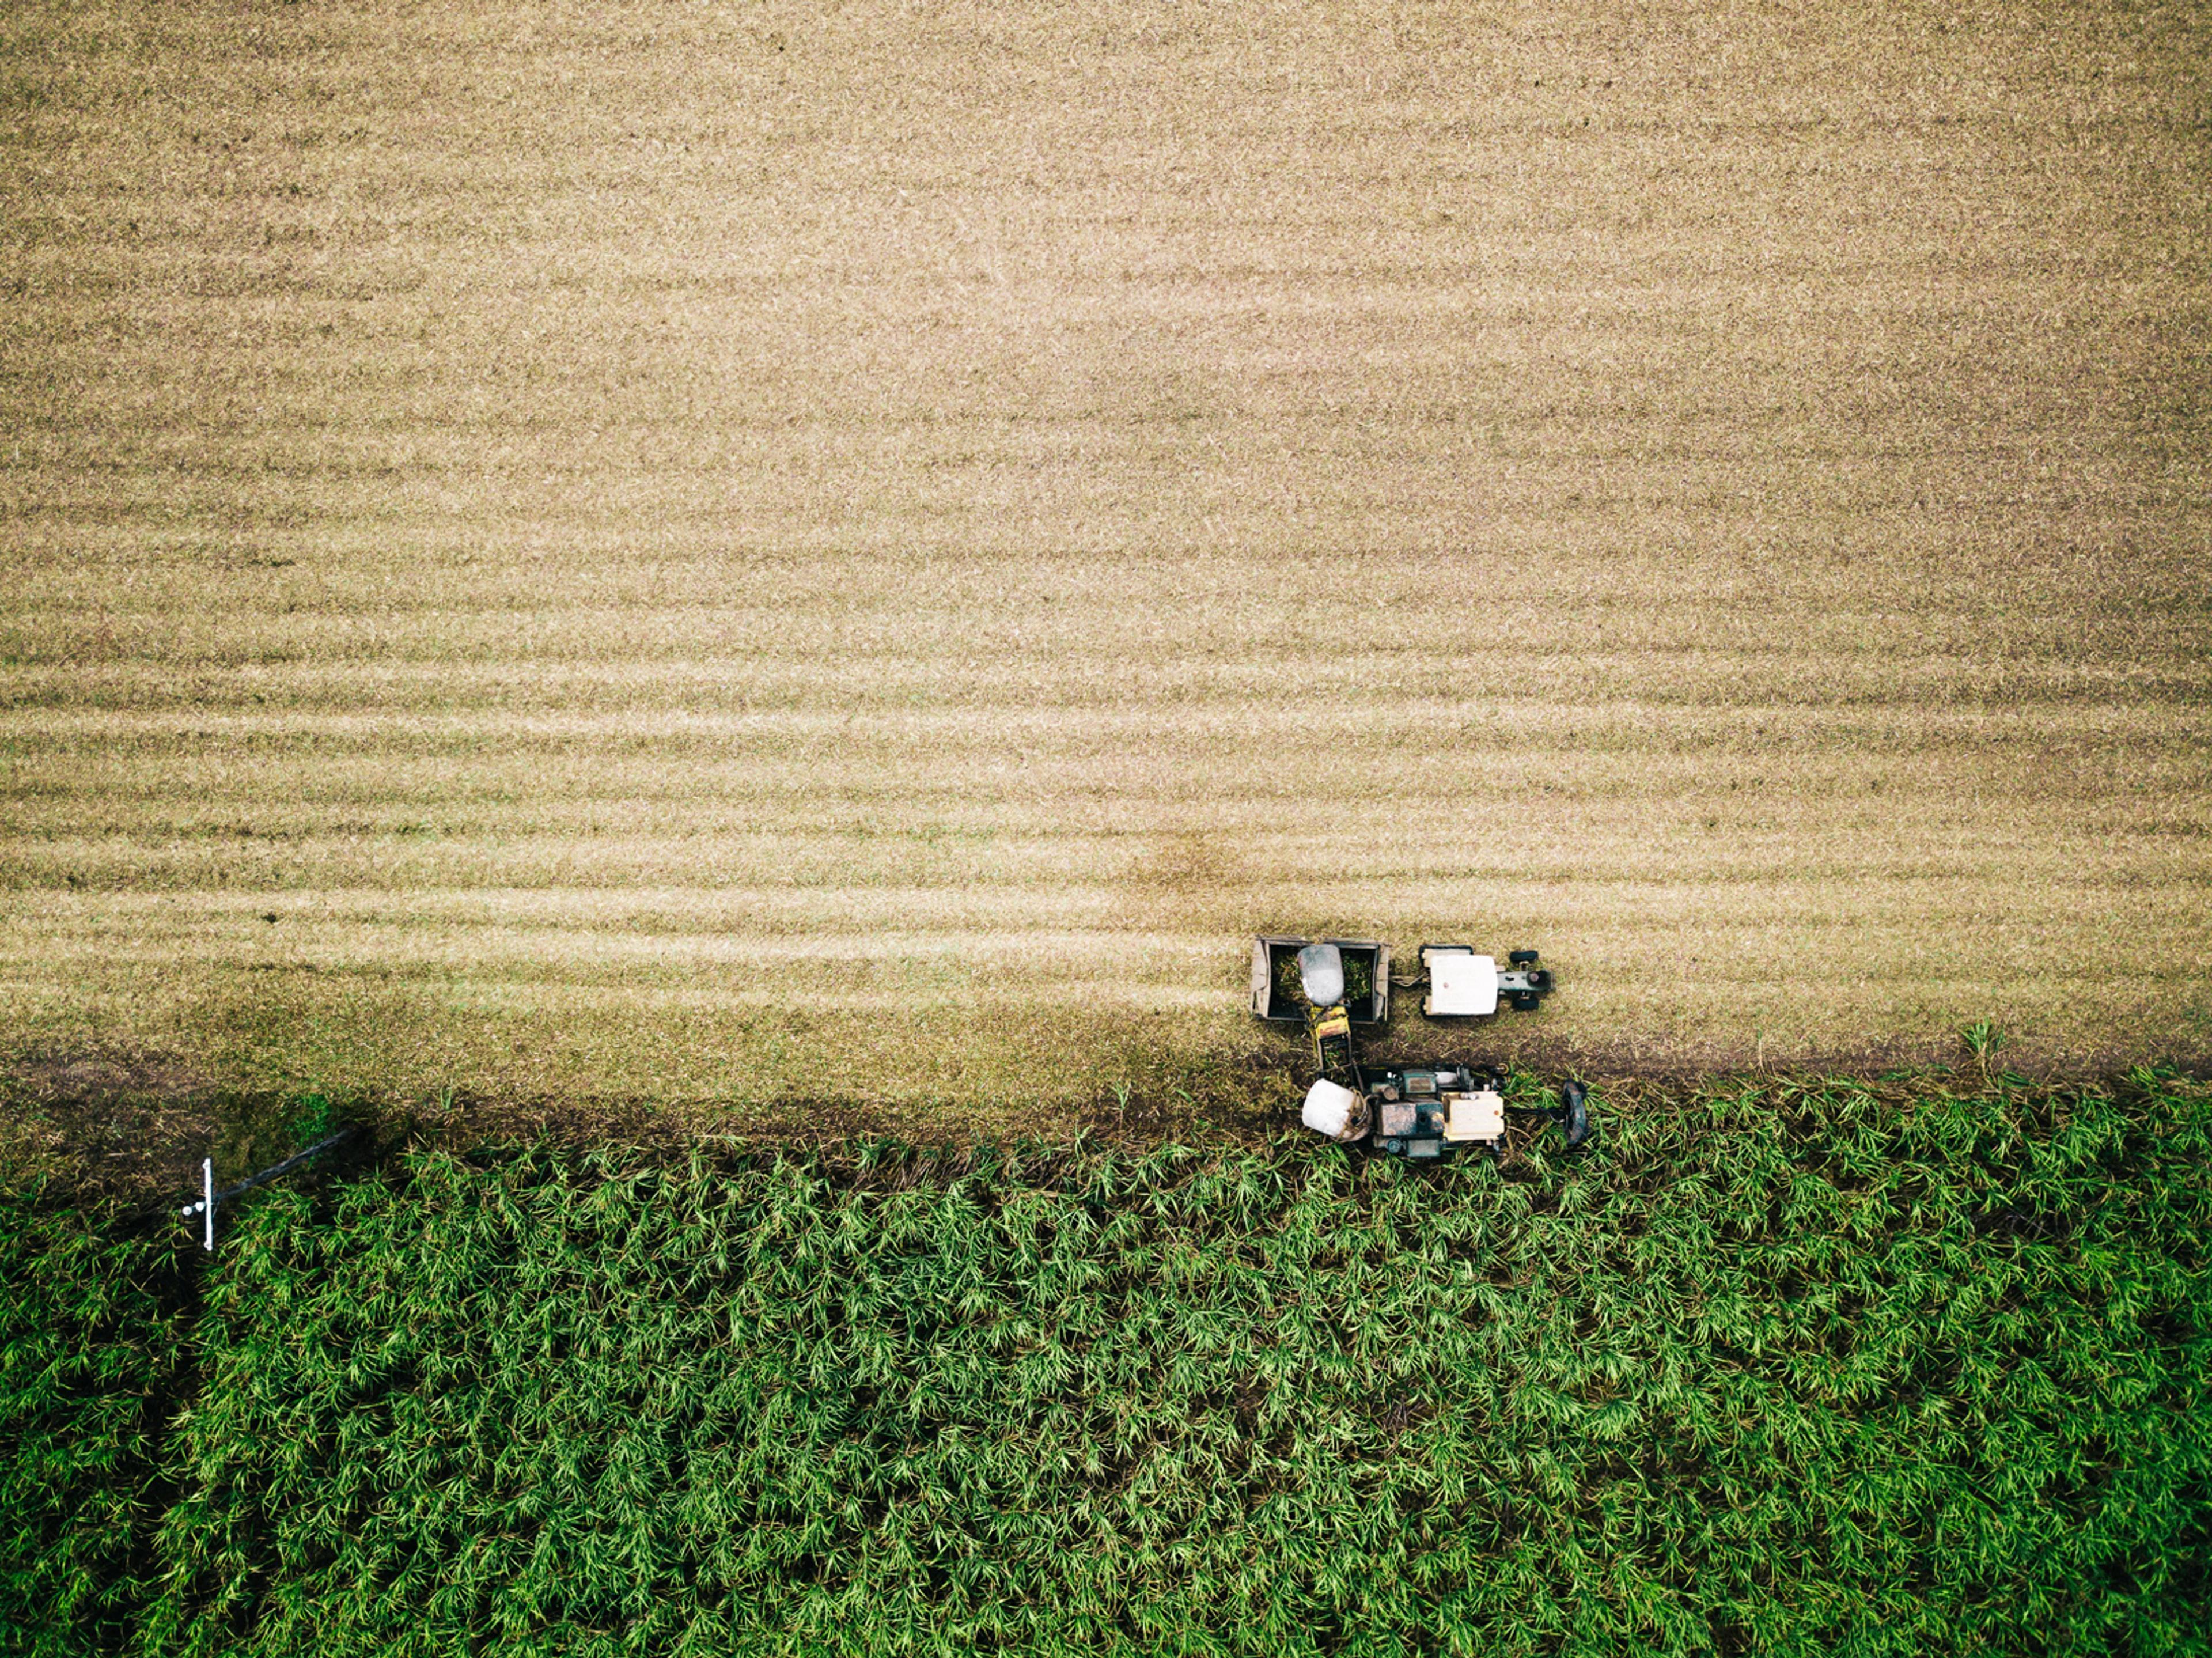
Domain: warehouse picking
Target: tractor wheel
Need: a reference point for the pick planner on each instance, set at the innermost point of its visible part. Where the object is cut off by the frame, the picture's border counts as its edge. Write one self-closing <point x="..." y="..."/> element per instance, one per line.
<point x="1522" y="957"/>
<point x="1542" y="979"/>
<point x="1574" y="1114"/>
<point x="1524" y="1001"/>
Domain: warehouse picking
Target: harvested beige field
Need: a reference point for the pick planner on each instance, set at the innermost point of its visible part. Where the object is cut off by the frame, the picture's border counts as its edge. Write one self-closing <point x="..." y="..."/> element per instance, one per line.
<point x="732" y="554"/>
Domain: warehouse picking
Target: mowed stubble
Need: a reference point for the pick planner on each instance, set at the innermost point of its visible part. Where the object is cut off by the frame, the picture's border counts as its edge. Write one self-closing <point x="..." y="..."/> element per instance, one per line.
<point x="728" y="554"/>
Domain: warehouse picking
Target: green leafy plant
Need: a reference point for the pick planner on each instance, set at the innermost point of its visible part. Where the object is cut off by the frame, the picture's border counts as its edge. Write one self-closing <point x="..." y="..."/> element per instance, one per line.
<point x="1785" y="1367"/>
<point x="1982" y="1040"/>
<point x="319" y="1118"/>
<point x="92" y="1346"/>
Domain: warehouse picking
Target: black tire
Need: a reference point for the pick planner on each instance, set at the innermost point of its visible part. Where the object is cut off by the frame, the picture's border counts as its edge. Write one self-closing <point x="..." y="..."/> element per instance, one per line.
<point x="1574" y="1114"/>
<point x="1524" y="1001"/>
<point x="1522" y="957"/>
<point x="1542" y="979"/>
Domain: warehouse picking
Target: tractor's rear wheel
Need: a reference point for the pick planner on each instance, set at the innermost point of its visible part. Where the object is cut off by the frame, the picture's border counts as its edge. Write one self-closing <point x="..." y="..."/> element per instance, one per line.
<point x="1574" y="1113"/>
<point x="1522" y="958"/>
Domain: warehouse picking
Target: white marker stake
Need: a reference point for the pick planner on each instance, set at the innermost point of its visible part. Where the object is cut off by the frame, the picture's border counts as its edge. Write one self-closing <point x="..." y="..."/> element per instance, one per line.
<point x="207" y="1177"/>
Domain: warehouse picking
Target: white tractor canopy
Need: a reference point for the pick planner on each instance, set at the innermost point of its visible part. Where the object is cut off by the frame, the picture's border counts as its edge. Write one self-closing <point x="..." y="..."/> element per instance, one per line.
<point x="1321" y="972"/>
<point x="1461" y="984"/>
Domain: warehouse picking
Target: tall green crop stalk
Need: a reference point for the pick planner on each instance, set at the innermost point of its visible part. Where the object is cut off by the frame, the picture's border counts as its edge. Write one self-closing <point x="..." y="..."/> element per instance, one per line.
<point x="92" y="1356"/>
<point x="1797" y="1367"/>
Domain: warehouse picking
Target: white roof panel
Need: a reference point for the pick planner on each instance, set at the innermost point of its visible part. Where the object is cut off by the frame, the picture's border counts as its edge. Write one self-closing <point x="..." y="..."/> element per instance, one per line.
<point x="1463" y="985"/>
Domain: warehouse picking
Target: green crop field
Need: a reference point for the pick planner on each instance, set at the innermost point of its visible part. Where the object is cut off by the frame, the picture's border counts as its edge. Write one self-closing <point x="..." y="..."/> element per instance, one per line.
<point x="1916" y="1370"/>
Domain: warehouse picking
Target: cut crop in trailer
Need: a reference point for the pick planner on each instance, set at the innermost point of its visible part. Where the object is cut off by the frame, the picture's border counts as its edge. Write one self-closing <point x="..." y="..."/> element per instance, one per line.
<point x="730" y="559"/>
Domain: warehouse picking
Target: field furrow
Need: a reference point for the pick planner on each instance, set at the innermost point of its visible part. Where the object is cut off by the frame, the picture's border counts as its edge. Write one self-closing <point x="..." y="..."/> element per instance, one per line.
<point x="732" y="557"/>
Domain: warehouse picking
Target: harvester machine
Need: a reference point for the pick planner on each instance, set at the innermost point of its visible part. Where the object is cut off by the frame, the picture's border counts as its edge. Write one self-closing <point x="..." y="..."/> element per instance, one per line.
<point x="1333" y="986"/>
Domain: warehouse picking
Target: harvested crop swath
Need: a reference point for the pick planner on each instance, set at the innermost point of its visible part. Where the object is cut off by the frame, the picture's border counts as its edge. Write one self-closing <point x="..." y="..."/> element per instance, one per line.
<point x="1785" y="1371"/>
<point x="953" y="521"/>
